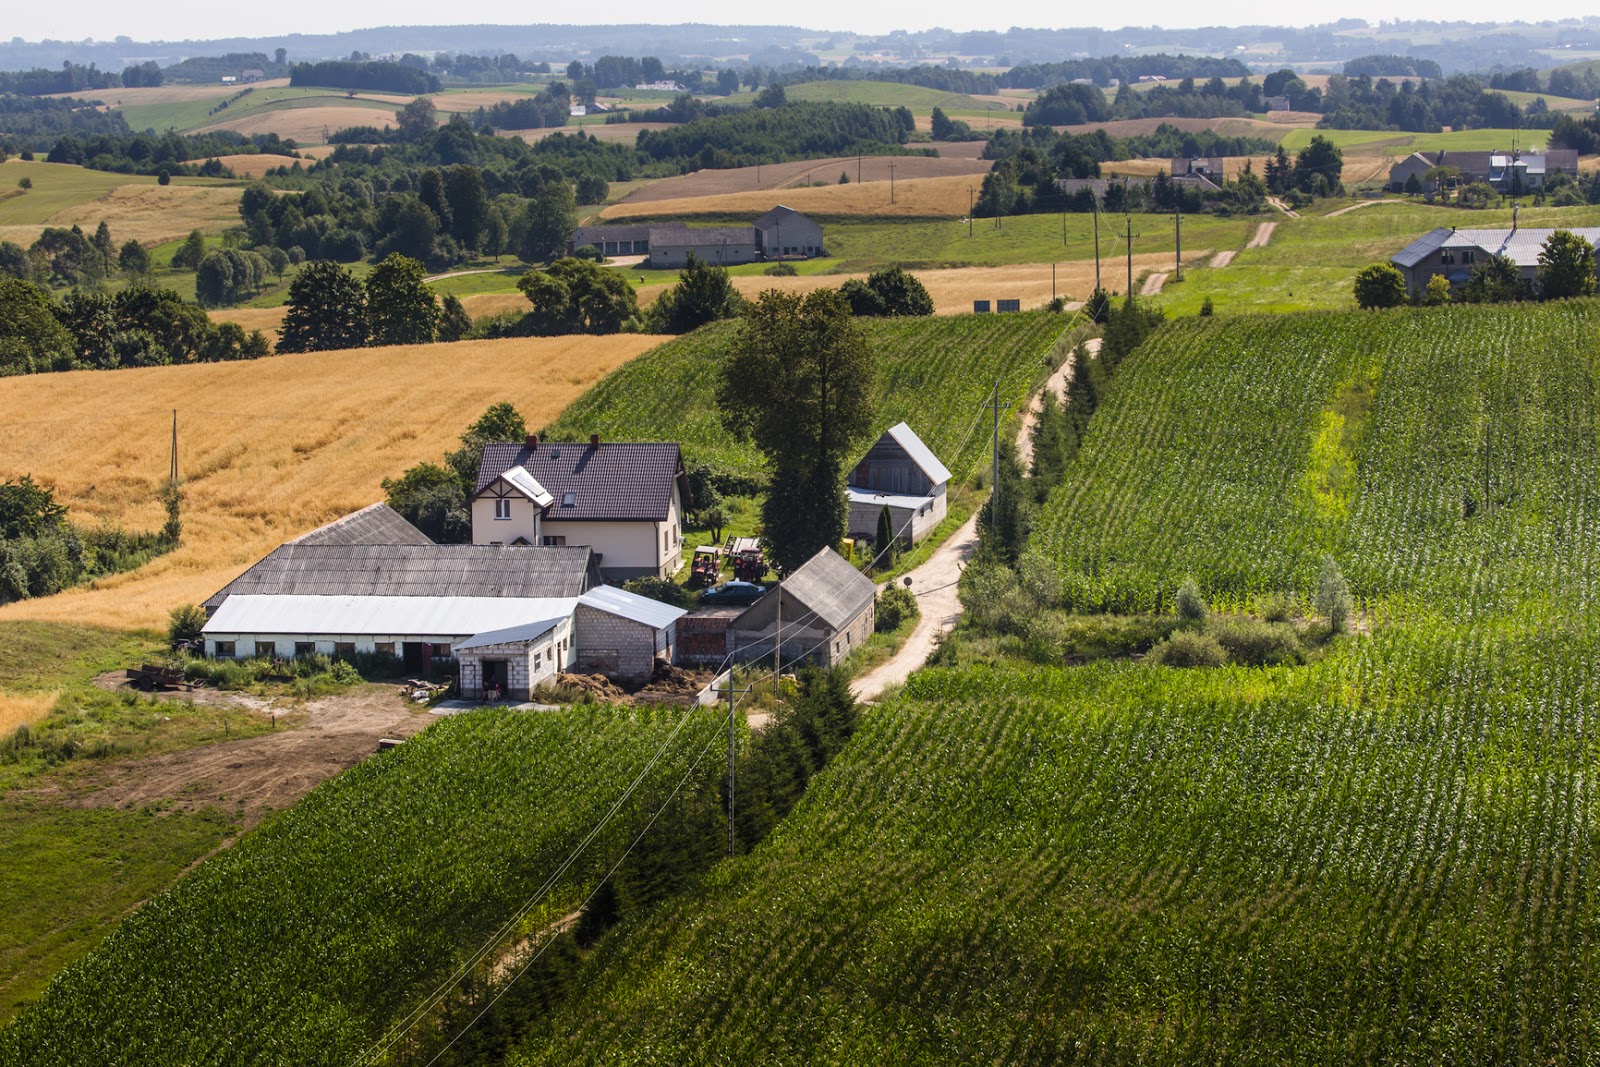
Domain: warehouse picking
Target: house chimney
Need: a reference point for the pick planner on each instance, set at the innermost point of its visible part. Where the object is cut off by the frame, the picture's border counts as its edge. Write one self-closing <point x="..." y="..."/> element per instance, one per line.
<point x="532" y="442"/>
<point x="594" y="440"/>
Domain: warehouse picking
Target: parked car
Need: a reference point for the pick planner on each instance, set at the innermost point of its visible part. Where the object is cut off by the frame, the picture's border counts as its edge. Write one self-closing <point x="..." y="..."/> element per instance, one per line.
<point x="732" y="594"/>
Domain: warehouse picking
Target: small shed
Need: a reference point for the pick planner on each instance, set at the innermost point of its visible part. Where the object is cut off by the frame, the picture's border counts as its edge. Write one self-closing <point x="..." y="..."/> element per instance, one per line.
<point x="509" y="664"/>
<point x="822" y="612"/>
<point x="900" y="473"/>
<point x="622" y="634"/>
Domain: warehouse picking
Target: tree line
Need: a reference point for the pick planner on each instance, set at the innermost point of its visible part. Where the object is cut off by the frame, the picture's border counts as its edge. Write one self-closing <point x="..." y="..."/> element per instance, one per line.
<point x="370" y="76"/>
<point x="43" y="552"/>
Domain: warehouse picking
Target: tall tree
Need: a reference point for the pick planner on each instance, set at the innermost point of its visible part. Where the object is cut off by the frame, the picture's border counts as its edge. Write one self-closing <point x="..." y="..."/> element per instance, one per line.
<point x="469" y="205"/>
<point x="401" y="309"/>
<point x="31" y="337"/>
<point x="417" y="119"/>
<point x="799" y="385"/>
<point x="547" y="220"/>
<point x="704" y="293"/>
<point x="327" y="310"/>
<point x="1566" y="266"/>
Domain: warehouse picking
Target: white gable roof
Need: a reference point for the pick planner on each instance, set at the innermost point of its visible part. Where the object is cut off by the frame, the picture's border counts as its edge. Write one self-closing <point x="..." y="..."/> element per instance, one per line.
<point x="920" y="453"/>
<point x="632" y="606"/>
<point x="424" y="616"/>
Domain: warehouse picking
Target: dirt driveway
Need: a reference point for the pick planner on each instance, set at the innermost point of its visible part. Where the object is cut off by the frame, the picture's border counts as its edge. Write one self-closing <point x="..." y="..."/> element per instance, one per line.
<point x="255" y="775"/>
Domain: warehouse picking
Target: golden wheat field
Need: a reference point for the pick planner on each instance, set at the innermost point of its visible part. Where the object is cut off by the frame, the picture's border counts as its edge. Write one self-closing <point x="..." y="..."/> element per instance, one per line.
<point x="626" y="132"/>
<point x="255" y="164"/>
<point x="267" y="449"/>
<point x="152" y="214"/>
<point x="307" y="125"/>
<point x="915" y="198"/>
<point x="790" y="175"/>
<point x="269" y="320"/>
<point x="23" y="709"/>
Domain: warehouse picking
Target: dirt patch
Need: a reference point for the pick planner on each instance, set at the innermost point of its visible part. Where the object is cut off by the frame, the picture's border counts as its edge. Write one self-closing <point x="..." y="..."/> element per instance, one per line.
<point x="1262" y="235"/>
<point x="254" y="775"/>
<point x="1153" y="284"/>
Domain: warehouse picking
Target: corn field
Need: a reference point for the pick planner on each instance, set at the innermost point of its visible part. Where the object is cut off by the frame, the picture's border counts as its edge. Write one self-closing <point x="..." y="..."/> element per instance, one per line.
<point x="935" y="373"/>
<point x="302" y="943"/>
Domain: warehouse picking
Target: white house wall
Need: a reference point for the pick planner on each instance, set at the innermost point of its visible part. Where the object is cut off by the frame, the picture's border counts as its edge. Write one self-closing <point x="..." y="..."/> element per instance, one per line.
<point x="488" y="530"/>
<point x="628" y="549"/>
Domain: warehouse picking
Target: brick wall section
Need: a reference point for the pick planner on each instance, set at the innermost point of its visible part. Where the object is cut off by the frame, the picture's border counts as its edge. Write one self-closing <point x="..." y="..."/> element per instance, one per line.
<point x="519" y="669"/>
<point x="604" y="639"/>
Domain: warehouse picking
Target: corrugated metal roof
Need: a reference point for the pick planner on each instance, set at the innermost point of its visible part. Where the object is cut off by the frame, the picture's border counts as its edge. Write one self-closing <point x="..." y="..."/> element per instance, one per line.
<point x="829" y="586"/>
<point x="920" y="453"/>
<point x="527" y="632"/>
<point x="588" y="235"/>
<point x="526" y="484"/>
<point x="893" y="500"/>
<point x="614" y="481"/>
<point x="1421" y="248"/>
<point x="375" y="524"/>
<point x="632" y="606"/>
<point x="416" y="570"/>
<point x="700" y="236"/>
<point x="422" y="616"/>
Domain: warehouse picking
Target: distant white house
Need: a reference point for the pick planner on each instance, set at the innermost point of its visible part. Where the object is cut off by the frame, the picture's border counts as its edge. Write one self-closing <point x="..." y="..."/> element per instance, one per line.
<point x="577" y="111"/>
<point x="900" y="473"/>
<point x="660" y="87"/>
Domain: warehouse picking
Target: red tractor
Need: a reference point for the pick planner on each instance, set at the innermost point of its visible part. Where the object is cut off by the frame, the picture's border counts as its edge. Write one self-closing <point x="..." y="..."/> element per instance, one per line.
<point x="749" y="565"/>
<point x="706" y="567"/>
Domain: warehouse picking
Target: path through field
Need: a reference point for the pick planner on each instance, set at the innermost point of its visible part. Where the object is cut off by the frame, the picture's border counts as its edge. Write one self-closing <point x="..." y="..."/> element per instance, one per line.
<point x="1153" y="284"/>
<point x="1281" y="206"/>
<point x="1222" y="259"/>
<point x="1358" y="207"/>
<point x="1262" y="235"/>
<point x="936" y="582"/>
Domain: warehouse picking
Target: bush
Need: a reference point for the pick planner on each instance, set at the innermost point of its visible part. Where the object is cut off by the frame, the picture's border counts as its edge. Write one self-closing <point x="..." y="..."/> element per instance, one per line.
<point x="896" y="604"/>
<point x="1207" y="308"/>
<point x="663" y="589"/>
<point x="1191" y="606"/>
<point x="1254" y="643"/>
<point x="1279" y="607"/>
<point x="1186" y="648"/>
<point x="184" y="624"/>
<point x="1333" y="596"/>
<point x="781" y="270"/>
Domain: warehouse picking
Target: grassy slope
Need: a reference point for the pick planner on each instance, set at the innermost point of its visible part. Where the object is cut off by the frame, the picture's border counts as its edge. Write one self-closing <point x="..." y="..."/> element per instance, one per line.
<point x="891" y="94"/>
<point x="1386" y="856"/>
<point x="1403" y="144"/>
<point x="934" y="373"/>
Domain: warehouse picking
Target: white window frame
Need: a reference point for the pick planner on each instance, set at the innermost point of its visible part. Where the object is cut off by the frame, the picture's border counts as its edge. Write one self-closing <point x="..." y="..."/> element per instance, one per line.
<point x="502" y="507"/>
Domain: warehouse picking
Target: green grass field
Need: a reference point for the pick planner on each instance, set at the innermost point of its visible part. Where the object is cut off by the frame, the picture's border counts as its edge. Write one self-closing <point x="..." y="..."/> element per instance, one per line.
<point x="891" y="94"/>
<point x="1390" y="143"/>
<point x="934" y="373"/>
<point x="57" y="187"/>
<point x="185" y="116"/>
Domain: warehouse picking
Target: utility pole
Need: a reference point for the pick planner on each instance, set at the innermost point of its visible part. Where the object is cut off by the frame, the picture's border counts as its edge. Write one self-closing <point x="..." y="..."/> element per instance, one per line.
<point x="1131" y="236"/>
<point x="891" y="183"/>
<point x="172" y="477"/>
<point x="995" y="404"/>
<point x="777" y="649"/>
<point x="858" y="168"/>
<point x="1052" y="283"/>
<point x="732" y="749"/>
<point x="1097" y="247"/>
<point x="969" y="211"/>
<point x="1177" y="229"/>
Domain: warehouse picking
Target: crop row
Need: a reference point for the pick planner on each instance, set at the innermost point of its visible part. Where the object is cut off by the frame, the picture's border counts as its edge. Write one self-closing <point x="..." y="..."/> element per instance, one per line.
<point x="935" y="373"/>
<point x="303" y="942"/>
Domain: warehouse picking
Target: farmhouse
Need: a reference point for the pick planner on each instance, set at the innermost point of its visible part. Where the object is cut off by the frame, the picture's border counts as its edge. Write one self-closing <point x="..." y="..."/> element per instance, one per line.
<point x="822" y="612"/>
<point x="1210" y="167"/>
<point x="781" y="233"/>
<point x="624" y="501"/>
<point x="1452" y="253"/>
<point x="902" y="474"/>
<point x="1506" y="171"/>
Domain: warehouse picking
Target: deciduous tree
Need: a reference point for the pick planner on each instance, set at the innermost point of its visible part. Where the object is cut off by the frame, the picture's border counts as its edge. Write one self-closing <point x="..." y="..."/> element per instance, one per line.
<point x="327" y="310"/>
<point x="401" y="309"/>
<point x="1566" y="266"/>
<point x="1380" y="285"/>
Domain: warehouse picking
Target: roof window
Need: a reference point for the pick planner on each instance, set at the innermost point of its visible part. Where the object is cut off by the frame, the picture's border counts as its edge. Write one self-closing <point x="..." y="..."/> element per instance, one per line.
<point x="569" y="500"/>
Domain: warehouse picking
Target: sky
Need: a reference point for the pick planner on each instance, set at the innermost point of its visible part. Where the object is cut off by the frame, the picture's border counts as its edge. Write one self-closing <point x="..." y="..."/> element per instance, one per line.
<point x="194" y="19"/>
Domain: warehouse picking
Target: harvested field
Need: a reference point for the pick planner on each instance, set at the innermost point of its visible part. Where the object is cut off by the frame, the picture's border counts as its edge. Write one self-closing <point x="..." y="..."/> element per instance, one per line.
<point x="1238" y="127"/>
<point x="626" y="132"/>
<point x="254" y="165"/>
<point x="269" y="320"/>
<point x="306" y="124"/>
<point x="960" y="149"/>
<point x="785" y="175"/>
<point x="23" y="709"/>
<point x="918" y="197"/>
<point x="171" y="94"/>
<point x="146" y="213"/>
<point x="268" y="448"/>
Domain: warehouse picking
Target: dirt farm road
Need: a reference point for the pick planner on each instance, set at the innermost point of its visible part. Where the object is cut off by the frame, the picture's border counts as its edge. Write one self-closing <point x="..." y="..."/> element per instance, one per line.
<point x="936" y="582"/>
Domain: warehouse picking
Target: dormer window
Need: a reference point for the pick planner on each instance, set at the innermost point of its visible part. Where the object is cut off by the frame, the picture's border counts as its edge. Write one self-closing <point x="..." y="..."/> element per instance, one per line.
<point x="569" y="500"/>
<point x="502" y="508"/>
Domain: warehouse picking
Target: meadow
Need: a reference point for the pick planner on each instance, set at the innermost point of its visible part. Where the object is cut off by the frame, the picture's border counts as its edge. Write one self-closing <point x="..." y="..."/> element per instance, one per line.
<point x="381" y="881"/>
<point x="934" y="373"/>
<point x="267" y="449"/>
<point x="133" y="206"/>
<point x="1360" y="142"/>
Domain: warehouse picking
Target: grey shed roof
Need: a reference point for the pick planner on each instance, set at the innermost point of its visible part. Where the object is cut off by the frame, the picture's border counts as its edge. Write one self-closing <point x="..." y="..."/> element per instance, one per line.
<point x="781" y="213"/>
<point x="920" y="454"/>
<point x="375" y="524"/>
<point x="831" y="588"/>
<point x="609" y="482"/>
<point x="701" y="236"/>
<point x="416" y="571"/>
<point x="588" y="235"/>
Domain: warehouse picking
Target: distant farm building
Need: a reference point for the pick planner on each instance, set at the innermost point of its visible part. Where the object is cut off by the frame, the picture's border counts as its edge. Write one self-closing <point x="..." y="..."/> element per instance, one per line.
<point x="902" y="474"/>
<point x="1275" y="103"/>
<point x="781" y="233"/>
<point x="659" y="87"/>
<point x="1453" y="253"/>
<point x="1210" y="167"/>
<point x="1505" y="171"/>
<point x="821" y="613"/>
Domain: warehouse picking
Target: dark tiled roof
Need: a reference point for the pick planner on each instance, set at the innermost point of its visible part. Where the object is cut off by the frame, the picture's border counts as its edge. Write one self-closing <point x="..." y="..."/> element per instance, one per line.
<point x="416" y="570"/>
<point x="609" y="482"/>
<point x="376" y="524"/>
<point x="701" y="236"/>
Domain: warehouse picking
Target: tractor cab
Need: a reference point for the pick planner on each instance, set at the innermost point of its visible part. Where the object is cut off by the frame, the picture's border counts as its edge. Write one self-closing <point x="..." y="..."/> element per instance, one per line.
<point x="749" y="564"/>
<point x="706" y="567"/>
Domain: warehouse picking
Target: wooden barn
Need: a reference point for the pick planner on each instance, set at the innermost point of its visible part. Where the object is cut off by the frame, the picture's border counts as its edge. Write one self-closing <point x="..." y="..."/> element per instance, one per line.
<point x="821" y="613"/>
<point x="900" y="473"/>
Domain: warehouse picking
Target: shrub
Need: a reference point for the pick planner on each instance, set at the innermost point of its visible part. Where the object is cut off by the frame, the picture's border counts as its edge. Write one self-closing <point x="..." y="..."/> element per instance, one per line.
<point x="662" y="589"/>
<point x="896" y="604"/>
<point x="1279" y="607"/>
<point x="1191" y="606"/>
<point x="1254" y="643"/>
<point x="1380" y="285"/>
<point x="1207" y="308"/>
<point x="184" y="624"/>
<point x="781" y="270"/>
<point x="1186" y="648"/>
<point x="1333" y="596"/>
